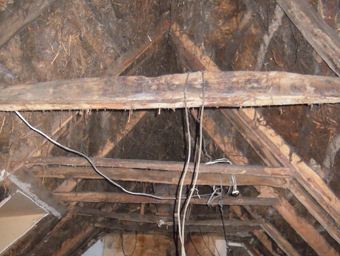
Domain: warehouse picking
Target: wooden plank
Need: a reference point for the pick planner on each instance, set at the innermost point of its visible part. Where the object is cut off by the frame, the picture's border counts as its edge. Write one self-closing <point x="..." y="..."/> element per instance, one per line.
<point x="300" y="225"/>
<point x="96" y="197"/>
<point x="222" y="89"/>
<point x="109" y="164"/>
<point x="279" y="239"/>
<point x="14" y="20"/>
<point x="147" y="218"/>
<point x="316" y="31"/>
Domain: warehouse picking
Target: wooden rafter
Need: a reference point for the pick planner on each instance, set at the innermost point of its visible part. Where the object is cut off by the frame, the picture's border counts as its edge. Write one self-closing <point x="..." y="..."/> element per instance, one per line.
<point x="221" y="89"/>
<point x="13" y="21"/>
<point x="315" y="210"/>
<point x="274" y="234"/>
<point x="300" y="225"/>
<point x="260" y="234"/>
<point x="315" y="30"/>
<point x="73" y="243"/>
<point x="277" y="144"/>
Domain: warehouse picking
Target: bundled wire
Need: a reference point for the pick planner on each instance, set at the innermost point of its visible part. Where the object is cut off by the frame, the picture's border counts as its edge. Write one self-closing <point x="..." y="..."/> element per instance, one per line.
<point x="182" y="225"/>
<point x="179" y="205"/>
<point x="134" y="249"/>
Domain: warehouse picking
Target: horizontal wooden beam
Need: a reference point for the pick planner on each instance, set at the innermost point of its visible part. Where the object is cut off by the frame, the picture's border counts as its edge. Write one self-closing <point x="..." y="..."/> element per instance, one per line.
<point x="315" y="30"/>
<point x="157" y="171"/>
<point x="96" y="197"/>
<point x="163" y="220"/>
<point x="221" y="89"/>
<point x="239" y="231"/>
<point x="153" y="176"/>
<point x="220" y="168"/>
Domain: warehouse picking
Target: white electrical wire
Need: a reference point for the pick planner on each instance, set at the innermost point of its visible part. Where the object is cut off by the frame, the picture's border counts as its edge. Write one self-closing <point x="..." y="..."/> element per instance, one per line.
<point x="91" y="163"/>
<point x="197" y="166"/>
<point x="180" y="233"/>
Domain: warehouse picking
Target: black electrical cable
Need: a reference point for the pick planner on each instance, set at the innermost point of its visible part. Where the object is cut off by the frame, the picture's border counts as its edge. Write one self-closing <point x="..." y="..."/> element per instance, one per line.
<point x="205" y="242"/>
<point x="212" y="240"/>
<point x="90" y="162"/>
<point x="192" y="241"/>
<point x="134" y="249"/>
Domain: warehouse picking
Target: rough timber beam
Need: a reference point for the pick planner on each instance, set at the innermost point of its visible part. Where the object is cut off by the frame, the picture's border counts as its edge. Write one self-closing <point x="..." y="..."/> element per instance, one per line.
<point x="148" y="218"/>
<point x="279" y="239"/>
<point x="14" y="20"/>
<point x="152" y="228"/>
<point x="221" y="89"/>
<point x="97" y="197"/>
<point x="111" y="163"/>
<point x="157" y="171"/>
<point x="192" y="53"/>
<point x="316" y="31"/>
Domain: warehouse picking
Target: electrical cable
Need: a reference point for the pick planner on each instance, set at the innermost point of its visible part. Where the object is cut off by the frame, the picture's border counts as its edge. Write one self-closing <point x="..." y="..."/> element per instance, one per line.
<point x="95" y="168"/>
<point x="221" y="210"/>
<point x="91" y="163"/>
<point x="198" y="161"/>
<point x="212" y="254"/>
<point x="181" y="234"/>
<point x="212" y="240"/>
<point x="134" y="249"/>
<point x="192" y="241"/>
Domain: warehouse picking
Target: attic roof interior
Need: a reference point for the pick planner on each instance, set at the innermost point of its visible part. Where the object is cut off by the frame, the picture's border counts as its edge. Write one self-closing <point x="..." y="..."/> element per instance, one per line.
<point x="283" y="159"/>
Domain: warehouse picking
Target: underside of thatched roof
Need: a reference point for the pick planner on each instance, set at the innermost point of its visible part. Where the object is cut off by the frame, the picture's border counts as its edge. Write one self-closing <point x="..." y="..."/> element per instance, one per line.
<point x="123" y="84"/>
